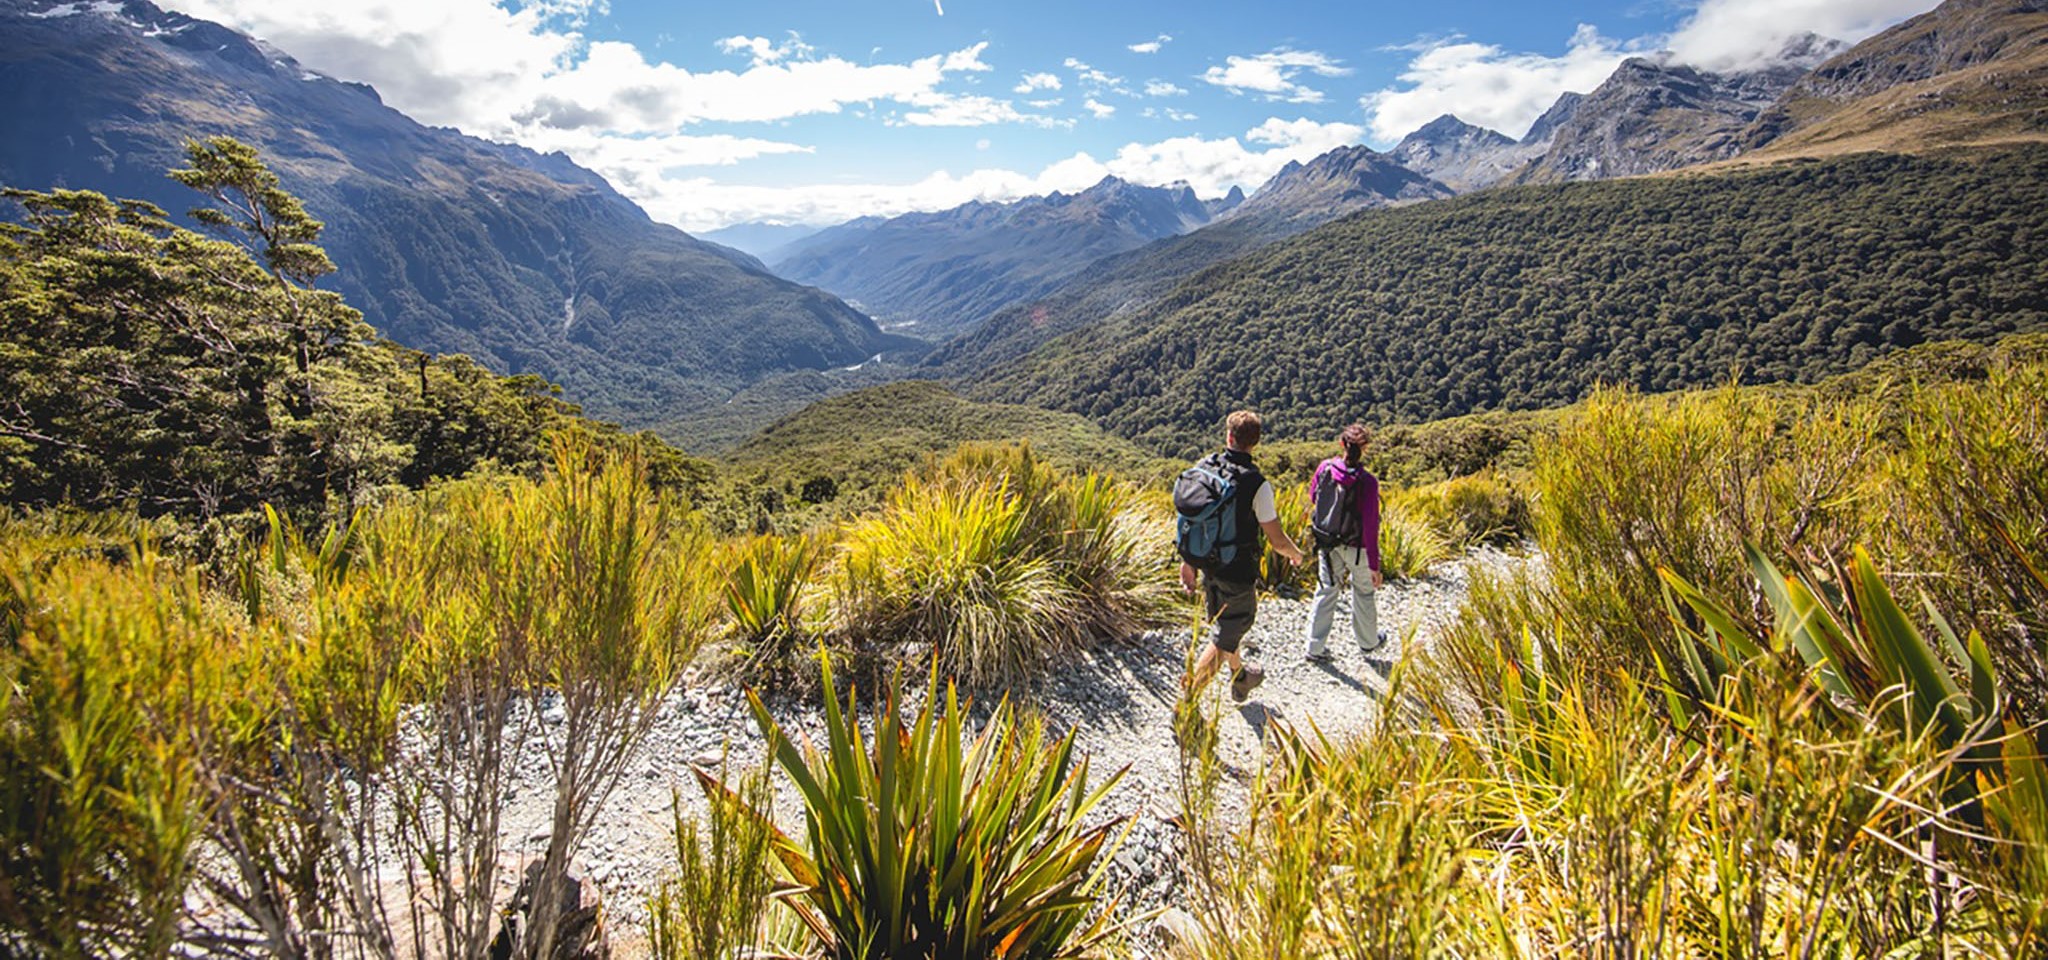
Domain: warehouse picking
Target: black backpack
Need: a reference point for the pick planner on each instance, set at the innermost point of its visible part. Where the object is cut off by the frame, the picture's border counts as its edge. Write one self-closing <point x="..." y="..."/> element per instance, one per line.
<point x="1335" y="521"/>
<point x="1205" y="498"/>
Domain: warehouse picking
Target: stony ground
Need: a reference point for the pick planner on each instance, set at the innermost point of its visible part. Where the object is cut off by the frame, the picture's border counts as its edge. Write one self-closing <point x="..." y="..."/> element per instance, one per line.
<point x="1118" y="699"/>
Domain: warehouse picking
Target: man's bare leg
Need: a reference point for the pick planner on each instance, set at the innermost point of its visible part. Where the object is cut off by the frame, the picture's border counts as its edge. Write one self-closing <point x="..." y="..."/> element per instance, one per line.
<point x="1211" y="658"/>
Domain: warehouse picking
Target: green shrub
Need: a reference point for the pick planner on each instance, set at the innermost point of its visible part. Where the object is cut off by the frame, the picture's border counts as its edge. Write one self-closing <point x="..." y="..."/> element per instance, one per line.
<point x="1468" y="511"/>
<point x="926" y="842"/>
<point x="998" y="562"/>
<point x="114" y="678"/>
<point x="712" y="906"/>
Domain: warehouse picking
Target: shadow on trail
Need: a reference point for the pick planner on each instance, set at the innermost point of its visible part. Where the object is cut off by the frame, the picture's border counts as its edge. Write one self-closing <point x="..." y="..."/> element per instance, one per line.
<point x="1348" y="680"/>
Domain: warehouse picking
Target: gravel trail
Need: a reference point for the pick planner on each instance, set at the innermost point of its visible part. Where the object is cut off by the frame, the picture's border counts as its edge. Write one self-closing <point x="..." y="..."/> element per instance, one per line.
<point x="1118" y="698"/>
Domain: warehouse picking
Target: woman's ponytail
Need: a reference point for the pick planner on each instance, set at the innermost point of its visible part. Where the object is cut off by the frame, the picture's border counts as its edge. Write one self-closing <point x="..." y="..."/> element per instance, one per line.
<point x="1354" y="439"/>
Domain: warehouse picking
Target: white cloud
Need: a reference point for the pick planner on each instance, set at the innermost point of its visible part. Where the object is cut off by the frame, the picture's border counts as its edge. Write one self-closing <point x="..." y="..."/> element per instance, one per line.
<point x="1212" y="167"/>
<point x="1038" y="81"/>
<point x="507" y="73"/>
<point x="1151" y="46"/>
<point x="1102" y="111"/>
<point x="1180" y="115"/>
<point x="1161" y="88"/>
<point x="1096" y="80"/>
<point x="1304" y="133"/>
<point x="467" y="63"/>
<point x="949" y="110"/>
<point x="644" y="166"/>
<point x="1739" y="34"/>
<point x="764" y="50"/>
<point x="1486" y="85"/>
<point x="1272" y="74"/>
<point x="1042" y="104"/>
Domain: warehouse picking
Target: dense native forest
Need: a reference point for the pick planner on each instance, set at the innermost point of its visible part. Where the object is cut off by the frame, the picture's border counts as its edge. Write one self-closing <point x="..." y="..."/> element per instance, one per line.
<point x="150" y="368"/>
<point x="1529" y="297"/>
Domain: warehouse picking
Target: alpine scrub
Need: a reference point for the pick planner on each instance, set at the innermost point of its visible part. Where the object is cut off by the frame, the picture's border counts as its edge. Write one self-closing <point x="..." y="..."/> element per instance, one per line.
<point x="996" y="562"/>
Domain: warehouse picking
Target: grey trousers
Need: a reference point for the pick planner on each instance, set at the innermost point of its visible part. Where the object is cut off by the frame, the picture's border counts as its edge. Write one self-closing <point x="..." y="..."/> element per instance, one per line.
<point x="1333" y="566"/>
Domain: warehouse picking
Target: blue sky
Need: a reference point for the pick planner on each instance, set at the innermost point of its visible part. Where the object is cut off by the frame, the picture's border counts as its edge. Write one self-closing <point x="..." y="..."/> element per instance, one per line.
<point x="766" y="110"/>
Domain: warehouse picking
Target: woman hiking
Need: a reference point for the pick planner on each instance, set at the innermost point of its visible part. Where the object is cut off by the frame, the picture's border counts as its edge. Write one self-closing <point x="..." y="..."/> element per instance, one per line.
<point x="1344" y="517"/>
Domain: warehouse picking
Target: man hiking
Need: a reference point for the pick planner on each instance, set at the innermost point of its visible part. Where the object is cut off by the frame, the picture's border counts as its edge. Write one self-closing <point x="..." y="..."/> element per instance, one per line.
<point x="1344" y="517"/>
<point x="1224" y="502"/>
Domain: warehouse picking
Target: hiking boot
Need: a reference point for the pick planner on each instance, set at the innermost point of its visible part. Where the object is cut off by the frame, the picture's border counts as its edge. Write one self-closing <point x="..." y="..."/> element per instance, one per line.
<point x="1246" y="679"/>
<point x="1321" y="656"/>
<point x="1378" y="642"/>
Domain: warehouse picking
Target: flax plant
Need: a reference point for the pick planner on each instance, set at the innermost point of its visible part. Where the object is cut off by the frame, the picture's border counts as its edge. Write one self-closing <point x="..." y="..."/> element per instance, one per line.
<point x="769" y="580"/>
<point x="927" y="841"/>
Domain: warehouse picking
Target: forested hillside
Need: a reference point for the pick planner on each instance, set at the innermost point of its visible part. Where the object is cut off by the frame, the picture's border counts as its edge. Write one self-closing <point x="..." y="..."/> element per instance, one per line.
<point x="151" y="369"/>
<point x="525" y="262"/>
<point x="1528" y="297"/>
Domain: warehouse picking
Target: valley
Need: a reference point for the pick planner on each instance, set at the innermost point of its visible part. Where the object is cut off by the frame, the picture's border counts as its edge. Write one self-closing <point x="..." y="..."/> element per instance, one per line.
<point x="415" y="542"/>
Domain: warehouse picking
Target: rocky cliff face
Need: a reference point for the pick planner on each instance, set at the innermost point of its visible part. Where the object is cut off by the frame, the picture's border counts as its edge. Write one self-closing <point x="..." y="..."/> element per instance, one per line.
<point x="525" y="261"/>
<point x="1654" y="115"/>
<point x="936" y="274"/>
<point x="1456" y="154"/>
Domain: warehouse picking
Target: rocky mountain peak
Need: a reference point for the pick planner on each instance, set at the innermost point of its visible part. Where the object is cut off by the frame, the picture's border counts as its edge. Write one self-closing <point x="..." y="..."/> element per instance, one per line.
<point x="1460" y="155"/>
<point x="1338" y="182"/>
<point x="1559" y="113"/>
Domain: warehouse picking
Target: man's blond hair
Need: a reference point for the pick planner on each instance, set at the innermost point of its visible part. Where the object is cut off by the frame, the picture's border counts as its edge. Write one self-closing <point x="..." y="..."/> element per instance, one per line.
<point x="1244" y="428"/>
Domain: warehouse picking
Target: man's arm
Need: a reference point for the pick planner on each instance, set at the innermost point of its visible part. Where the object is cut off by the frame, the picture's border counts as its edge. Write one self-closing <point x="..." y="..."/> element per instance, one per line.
<point x="1277" y="536"/>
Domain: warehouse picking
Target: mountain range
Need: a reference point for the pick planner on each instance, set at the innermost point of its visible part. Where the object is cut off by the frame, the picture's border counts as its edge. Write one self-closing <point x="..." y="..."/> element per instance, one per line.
<point x="445" y="242"/>
<point x="533" y="264"/>
<point x="1300" y="197"/>
<point x="936" y="274"/>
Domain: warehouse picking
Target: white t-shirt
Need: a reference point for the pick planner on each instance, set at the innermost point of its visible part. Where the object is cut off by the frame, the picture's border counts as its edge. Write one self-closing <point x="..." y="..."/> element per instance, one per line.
<point x="1262" y="504"/>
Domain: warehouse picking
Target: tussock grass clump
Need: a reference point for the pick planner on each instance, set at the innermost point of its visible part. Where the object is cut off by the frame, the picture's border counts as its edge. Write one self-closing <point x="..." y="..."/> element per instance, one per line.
<point x="770" y="582"/>
<point x="1410" y="545"/>
<point x="997" y="563"/>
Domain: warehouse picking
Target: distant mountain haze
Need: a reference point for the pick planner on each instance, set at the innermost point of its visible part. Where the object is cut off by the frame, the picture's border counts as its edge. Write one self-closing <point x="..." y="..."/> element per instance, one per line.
<point x="762" y="240"/>
<point x="936" y="274"/>
<point x="447" y="243"/>
<point x="1298" y="198"/>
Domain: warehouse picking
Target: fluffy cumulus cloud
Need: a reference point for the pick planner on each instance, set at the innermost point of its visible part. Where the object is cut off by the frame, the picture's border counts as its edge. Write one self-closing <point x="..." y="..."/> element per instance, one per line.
<point x="1102" y="111"/>
<point x="1273" y="74"/>
<point x="1152" y="45"/>
<point x="1486" y="85"/>
<point x="1738" y="34"/>
<point x="1038" y="81"/>
<point x="507" y="71"/>
<point x="1161" y="88"/>
<point x="467" y="63"/>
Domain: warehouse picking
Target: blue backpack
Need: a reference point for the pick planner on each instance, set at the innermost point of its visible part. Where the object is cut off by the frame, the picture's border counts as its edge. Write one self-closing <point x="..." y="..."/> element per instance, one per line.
<point x="1205" y="534"/>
